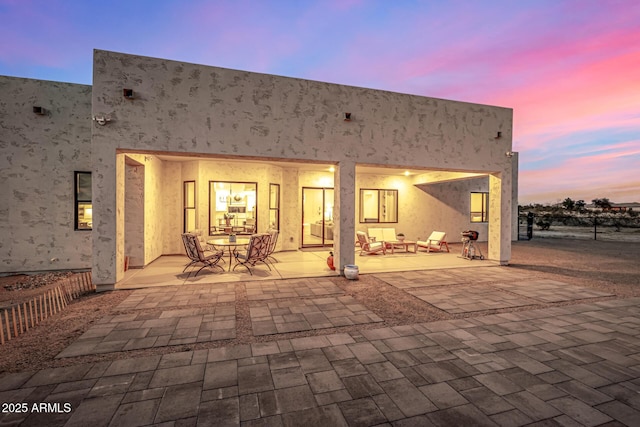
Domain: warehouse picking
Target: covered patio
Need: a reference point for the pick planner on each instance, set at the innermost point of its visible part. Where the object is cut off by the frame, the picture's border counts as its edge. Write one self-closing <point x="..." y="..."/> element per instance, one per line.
<point x="167" y="270"/>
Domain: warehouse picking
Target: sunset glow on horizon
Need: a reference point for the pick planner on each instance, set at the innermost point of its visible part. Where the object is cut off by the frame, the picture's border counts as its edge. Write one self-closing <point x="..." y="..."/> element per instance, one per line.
<point x="570" y="70"/>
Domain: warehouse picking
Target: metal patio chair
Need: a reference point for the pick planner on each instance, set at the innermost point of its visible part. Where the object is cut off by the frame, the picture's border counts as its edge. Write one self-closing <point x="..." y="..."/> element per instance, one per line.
<point x="197" y="255"/>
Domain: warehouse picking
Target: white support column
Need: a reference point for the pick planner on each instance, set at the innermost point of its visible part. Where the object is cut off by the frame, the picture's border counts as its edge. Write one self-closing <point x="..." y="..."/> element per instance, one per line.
<point x="500" y="197"/>
<point x="344" y="214"/>
<point x="120" y="217"/>
<point x="514" y="197"/>
<point x="108" y="247"/>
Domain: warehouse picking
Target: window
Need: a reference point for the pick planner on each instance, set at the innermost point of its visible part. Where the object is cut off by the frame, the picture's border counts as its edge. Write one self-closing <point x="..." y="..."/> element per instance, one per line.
<point x="274" y="206"/>
<point x="479" y="207"/>
<point x="189" y="206"/>
<point x="232" y="207"/>
<point x="83" y="217"/>
<point x="377" y="205"/>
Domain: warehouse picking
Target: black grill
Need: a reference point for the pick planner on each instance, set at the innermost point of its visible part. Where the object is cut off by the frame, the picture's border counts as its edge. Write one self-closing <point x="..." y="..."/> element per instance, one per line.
<point x="470" y="234"/>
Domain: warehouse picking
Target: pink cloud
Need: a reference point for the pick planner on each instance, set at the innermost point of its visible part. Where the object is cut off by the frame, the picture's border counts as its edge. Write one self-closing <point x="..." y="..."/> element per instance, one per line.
<point x="596" y="172"/>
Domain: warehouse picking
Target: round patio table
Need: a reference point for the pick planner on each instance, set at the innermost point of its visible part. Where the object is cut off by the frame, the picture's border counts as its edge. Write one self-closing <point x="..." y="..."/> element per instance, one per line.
<point x="225" y="243"/>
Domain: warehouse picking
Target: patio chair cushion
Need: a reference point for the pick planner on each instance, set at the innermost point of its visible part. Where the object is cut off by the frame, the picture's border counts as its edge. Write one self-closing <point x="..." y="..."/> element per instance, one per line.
<point x="369" y="247"/>
<point x="436" y="242"/>
<point x="382" y="234"/>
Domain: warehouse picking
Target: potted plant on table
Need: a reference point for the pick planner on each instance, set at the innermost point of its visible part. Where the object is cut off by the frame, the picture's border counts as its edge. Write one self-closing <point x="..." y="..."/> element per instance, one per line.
<point x="227" y="218"/>
<point x="400" y="237"/>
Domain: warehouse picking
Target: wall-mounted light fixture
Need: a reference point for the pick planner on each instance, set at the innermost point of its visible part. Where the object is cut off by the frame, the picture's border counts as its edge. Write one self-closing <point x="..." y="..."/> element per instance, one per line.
<point x="509" y="154"/>
<point x="499" y="135"/>
<point x="39" y="111"/>
<point x="128" y="93"/>
<point x="101" y="120"/>
<point x="347" y="117"/>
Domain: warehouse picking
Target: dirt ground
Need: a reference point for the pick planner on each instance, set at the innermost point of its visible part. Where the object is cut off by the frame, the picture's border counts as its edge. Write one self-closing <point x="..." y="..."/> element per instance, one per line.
<point x="610" y="266"/>
<point x="609" y="234"/>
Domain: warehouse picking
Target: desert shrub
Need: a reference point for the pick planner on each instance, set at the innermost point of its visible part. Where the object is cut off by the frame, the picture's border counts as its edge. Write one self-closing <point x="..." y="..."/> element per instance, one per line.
<point x="543" y="224"/>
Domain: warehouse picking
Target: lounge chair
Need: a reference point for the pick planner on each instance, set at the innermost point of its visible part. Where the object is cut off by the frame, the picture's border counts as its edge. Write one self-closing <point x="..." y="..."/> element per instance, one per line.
<point x="435" y="243"/>
<point x="368" y="247"/>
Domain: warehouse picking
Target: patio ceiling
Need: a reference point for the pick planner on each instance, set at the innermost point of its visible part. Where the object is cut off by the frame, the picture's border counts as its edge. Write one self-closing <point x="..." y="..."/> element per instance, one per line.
<point x="425" y="175"/>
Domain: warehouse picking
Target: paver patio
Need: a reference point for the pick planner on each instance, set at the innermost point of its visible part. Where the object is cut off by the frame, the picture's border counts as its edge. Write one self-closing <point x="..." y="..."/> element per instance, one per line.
<point x="176" y="296"/>
<point x="454" y="291"/>
<point x="565" y="365"/>
<point x="158" y="328"/>
<point x="452" y="276"/>
<point x="279" y="317"/>
<point x="257" y="291"/>
<point x="551" y="291"/>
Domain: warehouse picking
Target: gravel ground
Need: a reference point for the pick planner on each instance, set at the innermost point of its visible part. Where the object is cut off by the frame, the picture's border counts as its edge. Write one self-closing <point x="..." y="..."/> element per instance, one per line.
<point x="18" y="288"/>
<point x="26" y="282"/>
<point x="610" y="266"/>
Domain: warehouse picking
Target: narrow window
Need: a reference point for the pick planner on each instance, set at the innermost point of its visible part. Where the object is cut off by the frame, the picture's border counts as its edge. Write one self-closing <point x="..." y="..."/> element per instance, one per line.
<point x="479" y="207"/>
<point x="274" y="206"/>
<point x="83" y="218"/>
<point x="189" y="204"/>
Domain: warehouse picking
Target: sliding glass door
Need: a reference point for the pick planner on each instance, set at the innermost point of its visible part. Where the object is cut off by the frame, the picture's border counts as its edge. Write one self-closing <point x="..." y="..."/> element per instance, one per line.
<point x="317" y="217"/>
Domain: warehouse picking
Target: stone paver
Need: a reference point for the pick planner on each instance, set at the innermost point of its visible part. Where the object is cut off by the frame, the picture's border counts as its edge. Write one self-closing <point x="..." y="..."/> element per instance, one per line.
<point x="156" y="329"/>
<point x="467" y="299"/>
<point x="179" y="296"/>
<point x="565" y="365"/>
<point x="551" y="291"/>
<point x="451" y="290"/>
<point x="429" y="278"/>
<point x="295" y="288"/>
<point x="307" y="314"/>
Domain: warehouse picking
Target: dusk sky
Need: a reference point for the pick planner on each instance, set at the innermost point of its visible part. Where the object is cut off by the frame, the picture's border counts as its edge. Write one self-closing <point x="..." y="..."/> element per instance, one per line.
<point x="569" y="69"/>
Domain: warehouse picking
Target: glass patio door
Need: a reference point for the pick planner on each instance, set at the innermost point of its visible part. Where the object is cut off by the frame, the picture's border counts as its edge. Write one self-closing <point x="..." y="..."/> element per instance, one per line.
<point x="317" y="217"/>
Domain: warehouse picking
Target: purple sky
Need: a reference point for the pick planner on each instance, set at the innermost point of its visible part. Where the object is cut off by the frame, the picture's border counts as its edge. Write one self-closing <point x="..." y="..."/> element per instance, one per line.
<point x="569" y="69"/>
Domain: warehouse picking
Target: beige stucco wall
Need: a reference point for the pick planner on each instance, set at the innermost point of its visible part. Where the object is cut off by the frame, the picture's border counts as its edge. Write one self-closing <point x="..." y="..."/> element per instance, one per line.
<point x="134" y="212"/>
<point x="449" y="208"/>
<point x="515" y="167"/>
<point x="290" y="208"/>
<point x="188" y="108"/>
<point x="39" y="157"/>
<point x="167" y="209"/>
<point x="424" y="208"/>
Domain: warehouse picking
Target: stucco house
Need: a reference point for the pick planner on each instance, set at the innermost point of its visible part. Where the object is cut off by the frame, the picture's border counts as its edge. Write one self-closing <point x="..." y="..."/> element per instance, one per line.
<point x="93" y="174"/>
